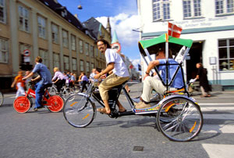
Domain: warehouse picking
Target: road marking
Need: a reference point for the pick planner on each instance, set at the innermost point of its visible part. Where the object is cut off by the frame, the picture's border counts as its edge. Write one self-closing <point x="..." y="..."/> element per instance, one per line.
<point x="201" y="104"/>
<point x="219" y="150"/>
<point x="226" y="129"/>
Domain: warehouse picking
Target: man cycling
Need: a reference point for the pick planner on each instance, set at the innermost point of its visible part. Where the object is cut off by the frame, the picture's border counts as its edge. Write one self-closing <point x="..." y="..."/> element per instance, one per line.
<point x="45" y="76"/>
<point x="120" y="74"/>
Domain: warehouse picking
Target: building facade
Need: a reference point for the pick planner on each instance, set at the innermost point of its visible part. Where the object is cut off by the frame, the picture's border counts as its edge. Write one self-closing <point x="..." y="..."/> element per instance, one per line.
<point x="210" y="24"/>
<point x="29" y="28"/>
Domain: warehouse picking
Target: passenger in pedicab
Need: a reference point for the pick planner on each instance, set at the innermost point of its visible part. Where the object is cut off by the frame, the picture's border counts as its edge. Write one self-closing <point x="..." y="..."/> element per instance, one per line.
<point x="152" y="83"/>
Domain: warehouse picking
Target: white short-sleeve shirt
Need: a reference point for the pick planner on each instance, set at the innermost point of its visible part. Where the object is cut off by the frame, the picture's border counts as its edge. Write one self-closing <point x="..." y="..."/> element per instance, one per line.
<point x="120" y="68"/>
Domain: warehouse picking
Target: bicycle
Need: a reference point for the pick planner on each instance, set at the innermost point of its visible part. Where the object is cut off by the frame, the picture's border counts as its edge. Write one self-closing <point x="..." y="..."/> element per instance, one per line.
<point x="1" y="98"/>
<point x="65" y="91"/>
<point x="54" y="103"/>
<point x="178" y="117"/>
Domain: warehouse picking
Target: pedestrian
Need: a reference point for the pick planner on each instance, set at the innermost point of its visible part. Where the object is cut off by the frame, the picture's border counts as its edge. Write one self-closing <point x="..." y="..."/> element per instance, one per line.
<point x="123" y="58"/>
<point x="45" y="80"/>
<point x="27" y="85"/>
<point x="18" y="81"/>
<point x="84" y="80"/>
<point x="203" y="81"/>
<point x="120" y="74"/>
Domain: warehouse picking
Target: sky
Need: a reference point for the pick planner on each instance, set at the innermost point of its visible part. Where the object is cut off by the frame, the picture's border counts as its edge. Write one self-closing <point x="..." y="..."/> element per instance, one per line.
<point x="123" y="19"/>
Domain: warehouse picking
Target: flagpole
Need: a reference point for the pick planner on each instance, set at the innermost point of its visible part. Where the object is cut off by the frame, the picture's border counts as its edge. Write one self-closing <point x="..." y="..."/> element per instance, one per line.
<point x="167" y="46"/>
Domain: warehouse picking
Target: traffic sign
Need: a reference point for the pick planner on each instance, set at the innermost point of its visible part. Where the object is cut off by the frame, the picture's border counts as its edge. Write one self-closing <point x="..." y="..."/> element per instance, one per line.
<point x="26" y="52"/>
<point x="116" y="46"/>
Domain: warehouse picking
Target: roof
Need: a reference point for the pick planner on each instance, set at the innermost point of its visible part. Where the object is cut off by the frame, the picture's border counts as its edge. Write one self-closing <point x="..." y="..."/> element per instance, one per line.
<point x="63" y="12"/>
<point x="155" y="43"/>
<point x="93" y="25"/>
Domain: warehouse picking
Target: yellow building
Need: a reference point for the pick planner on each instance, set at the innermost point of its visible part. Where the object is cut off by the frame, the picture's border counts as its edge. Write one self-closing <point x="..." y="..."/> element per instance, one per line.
<point x="29" y="28"/>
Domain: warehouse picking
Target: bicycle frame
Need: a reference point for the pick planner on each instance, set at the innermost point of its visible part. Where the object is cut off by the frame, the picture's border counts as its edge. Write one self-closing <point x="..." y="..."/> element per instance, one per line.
<point x="45" y="97"/>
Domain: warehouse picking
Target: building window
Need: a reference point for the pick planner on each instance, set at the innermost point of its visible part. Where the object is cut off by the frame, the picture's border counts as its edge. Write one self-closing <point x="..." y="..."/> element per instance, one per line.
<point x="87" y="67"/>
<point x="23" y="18"/>
<point x="96" y="52"/>
<point x="3" y="51"/>
<point x="73" y="42"/>
<point x="2" y="11"/>
<point x="66" y="63"/>
<point x="91" y="51"/>
<point x="224" y="7"/>
<point x="45" y="57"/>
<point x="86" y="49"/>
<point x="56" y="60"/>
<point x="81" y="65"/>
<point x="41" y="27"/>
<point x="65" y="38"/>
<point x="55" y="33"/>
<point x="161" y="10"/>
<point x="92" y="66"/>
<point x="192" y="8"/>
<point x="226" y="54"/>
<point x="74" y="64"/>
<point x="81" y="46"/>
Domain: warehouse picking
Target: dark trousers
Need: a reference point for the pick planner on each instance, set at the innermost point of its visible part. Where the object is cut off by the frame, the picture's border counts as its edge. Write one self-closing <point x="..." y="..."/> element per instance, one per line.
<point x="83" y="84"/>
<point x="59" y="84"/>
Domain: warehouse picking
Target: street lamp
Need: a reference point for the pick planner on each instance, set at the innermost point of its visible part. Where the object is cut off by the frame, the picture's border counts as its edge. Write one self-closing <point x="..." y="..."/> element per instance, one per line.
<point x="80" y="7"/>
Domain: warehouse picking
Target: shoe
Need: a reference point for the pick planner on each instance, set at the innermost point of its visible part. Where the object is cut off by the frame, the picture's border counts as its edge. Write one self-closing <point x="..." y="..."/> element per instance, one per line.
<point x="36" y="109"/>
<point x="142" y="105"/>
<point x="136" y="100"/>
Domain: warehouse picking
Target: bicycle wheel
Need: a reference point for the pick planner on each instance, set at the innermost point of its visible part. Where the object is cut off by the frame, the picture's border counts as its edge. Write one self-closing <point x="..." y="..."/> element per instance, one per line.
<point x="55" y="103"/>
<point x="179" y="119"/>
<point x="52" y="90"/>
<point x="22" y="104"/>
<point x="1" y="98"/>
<point x="79" y="112"/>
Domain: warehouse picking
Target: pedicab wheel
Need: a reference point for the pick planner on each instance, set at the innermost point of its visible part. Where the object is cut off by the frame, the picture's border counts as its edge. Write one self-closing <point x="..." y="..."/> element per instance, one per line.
<point x="179" y="119"/>
<point x="22" y="104"/>
<point x="79" y="111"/>
<point x="55" y="103"/>
<point x="1" y="98"/>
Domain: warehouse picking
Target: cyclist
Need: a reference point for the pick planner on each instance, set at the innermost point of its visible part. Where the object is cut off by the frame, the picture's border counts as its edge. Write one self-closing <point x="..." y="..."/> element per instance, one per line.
<point x="45" y="76"/>
<point x="58" y="79"/>
<point x="120" y="74"/>
<point x="151" y="83"/>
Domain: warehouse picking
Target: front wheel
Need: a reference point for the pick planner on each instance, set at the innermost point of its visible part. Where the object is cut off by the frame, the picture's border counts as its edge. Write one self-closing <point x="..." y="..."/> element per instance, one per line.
<point x="55" y="103"/>
<point x="79" y="111"/>
<point x="179" y="119"/>
<point x="22" y="104"/>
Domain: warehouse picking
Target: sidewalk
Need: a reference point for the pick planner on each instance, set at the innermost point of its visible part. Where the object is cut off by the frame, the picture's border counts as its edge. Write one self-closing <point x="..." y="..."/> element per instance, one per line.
<point x="216" y="96"/>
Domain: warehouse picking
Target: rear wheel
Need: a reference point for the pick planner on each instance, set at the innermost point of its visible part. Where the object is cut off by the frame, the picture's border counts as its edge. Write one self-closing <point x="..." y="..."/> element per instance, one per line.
<point x="22" y="104"/>
<point x="55" y="103"/>
<point x="179" y="119"/>
<point x="79" y="111"/>
<point x="1" y="98"/>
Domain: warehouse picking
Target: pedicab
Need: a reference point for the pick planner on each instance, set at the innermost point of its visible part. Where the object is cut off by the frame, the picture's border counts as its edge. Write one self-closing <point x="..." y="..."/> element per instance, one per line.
<point x="179" y="117"/>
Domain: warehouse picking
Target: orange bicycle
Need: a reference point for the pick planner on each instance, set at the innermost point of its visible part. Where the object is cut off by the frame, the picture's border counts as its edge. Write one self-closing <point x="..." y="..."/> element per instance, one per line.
<point x="54" y="103"/>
